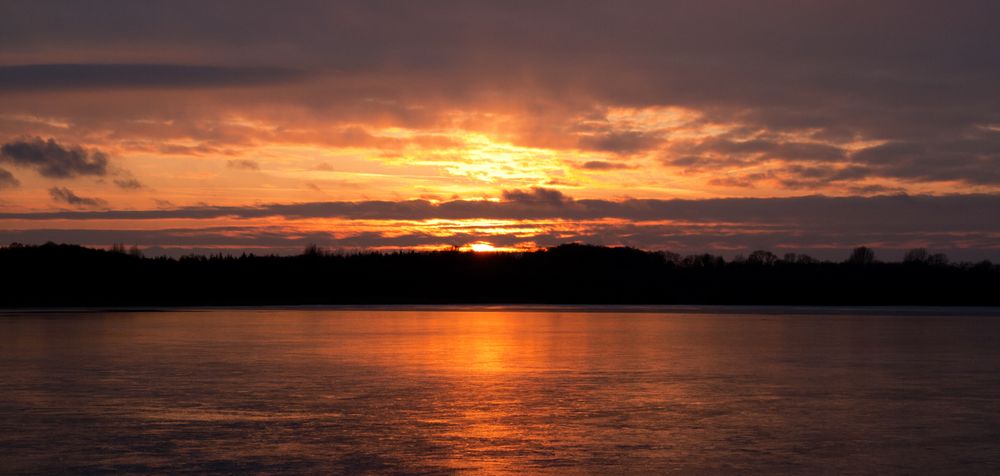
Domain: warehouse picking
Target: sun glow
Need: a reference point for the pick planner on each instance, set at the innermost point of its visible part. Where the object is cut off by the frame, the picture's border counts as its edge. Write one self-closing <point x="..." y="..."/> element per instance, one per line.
<point x="487" y="247"/>
<point x="482" y="247"/>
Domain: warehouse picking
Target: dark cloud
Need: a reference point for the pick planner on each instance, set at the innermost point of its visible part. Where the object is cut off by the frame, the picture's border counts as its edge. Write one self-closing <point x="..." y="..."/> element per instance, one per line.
<point x="129" y="183"/>
<point x="889" y="152"/>
<point x="201" y="149"/>
<point x="744" y="180"/>
<point x="115" y="76"/>
<point x="730" y="239"/>
<point x="873" y="189"/>
<point x="536" y="196"/>
<point x="684" y="161"/>
<point x="814" y="176"/>
<point x="7" y="180"/>
<point x="65" y="195"/>
<point x="53" y="160"/>
<point x="974" y="159"/>
<point x="769" y="149"/>
<point x="244" y="164"/>
<point x="603" y="165"/>
<point x="883" y="213"/>
<point x="621" y="142"/>
<point x="919" y="76"/>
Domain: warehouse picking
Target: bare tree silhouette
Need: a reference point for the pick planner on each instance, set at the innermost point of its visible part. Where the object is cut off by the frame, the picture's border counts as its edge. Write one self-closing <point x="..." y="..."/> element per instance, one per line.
<point x="862" y="255"/>
<point x="572" y="273"/>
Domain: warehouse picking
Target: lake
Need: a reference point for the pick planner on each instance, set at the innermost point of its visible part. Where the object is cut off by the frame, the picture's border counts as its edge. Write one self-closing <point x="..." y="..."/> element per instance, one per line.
<point x="501" y="390"/>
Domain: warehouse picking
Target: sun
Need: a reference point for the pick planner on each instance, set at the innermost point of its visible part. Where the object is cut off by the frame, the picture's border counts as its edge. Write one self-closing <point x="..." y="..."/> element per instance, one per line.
<point x="482" y="247"/>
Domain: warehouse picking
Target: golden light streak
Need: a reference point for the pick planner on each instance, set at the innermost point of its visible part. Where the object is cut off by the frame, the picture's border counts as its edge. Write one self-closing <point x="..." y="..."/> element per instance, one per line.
<point x="482" y="247"/>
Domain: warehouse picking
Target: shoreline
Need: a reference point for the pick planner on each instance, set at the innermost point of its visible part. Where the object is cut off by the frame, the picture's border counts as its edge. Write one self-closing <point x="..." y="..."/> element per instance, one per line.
<point x="714" y="309"/>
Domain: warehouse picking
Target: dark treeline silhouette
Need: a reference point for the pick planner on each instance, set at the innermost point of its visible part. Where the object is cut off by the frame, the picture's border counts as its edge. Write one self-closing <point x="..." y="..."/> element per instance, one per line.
<point x="54" y="275"/>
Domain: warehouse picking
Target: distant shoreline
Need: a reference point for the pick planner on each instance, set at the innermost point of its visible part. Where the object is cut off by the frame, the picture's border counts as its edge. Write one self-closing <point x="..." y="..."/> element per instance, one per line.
<point x="985" y="311"/>
<point x="582" y="276"/>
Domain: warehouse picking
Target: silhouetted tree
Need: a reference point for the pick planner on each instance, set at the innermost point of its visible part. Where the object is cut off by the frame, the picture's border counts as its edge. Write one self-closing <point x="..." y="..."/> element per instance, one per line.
<point x="671" y="257"/>
<point x="805" y="259"/>
<point x="916" y="256"/>
<point x="572" y="273"/>
<point x="313" y="250"/>
<point x="862" y="255"/>
<point x="762" y="258"/>
<point x="984" y="266"/>
<point x="703" y="260"/>
<point x="937" y="259"/>
<point x="920" y="256"/>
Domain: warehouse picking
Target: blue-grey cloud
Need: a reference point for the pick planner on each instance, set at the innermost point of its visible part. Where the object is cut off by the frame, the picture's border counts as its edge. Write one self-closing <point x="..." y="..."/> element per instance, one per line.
<point x="602" y="165"/>
<point x="7" y="180"/>
<point x="684" y="238"/>
<point x="536" y="196"/>
<point x="887" y="213"/>
<point x="974" y="159"/>
<point x="621" y="142"/>
<point x="31" y="77"/>
<point x="52" y="159"/>
<point x="67" y="196"/>
<point x="772" y="149"/>
<point x="244" y="164"/>
<point x="832" y="72"/>
<point x="129" y="183"/>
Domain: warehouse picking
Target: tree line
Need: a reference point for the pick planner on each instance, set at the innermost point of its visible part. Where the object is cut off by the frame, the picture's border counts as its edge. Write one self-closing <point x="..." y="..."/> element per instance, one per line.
<point x="55" y="275"/>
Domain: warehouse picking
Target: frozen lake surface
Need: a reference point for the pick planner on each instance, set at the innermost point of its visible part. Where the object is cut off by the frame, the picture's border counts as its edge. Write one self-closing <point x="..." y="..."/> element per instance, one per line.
<point x="500" y="390"/>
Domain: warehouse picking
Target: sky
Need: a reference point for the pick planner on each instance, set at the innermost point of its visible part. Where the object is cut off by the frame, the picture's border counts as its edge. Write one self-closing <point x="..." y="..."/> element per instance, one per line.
<point x="710" y="126"/>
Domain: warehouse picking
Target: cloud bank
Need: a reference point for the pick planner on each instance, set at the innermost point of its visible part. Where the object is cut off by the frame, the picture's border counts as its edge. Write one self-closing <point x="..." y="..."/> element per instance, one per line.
<point x="53" y="160"/>
<point x="7" y="180"/>
<point x="962" y="225"/>
<point x="40" y="77"/>
<point x="65" y="195"/>
<point x="951" y="212"/>
<point x="787" y="123"/>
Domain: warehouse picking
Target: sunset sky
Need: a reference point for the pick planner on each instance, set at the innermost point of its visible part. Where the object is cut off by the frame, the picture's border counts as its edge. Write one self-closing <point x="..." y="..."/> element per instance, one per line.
<point x="708" y="126"/>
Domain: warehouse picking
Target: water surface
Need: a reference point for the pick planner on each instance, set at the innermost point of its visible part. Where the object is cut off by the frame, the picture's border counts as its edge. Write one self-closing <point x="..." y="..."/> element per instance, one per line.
<point x="440" y="391"/>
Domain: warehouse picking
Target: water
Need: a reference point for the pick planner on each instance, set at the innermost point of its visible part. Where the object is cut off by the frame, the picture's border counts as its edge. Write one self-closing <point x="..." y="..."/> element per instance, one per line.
<point x="426" y="391"/>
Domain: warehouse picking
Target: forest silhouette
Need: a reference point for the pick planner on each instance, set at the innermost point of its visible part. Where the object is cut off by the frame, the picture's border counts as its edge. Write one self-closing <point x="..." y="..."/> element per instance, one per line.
<point x="59" y="275"/>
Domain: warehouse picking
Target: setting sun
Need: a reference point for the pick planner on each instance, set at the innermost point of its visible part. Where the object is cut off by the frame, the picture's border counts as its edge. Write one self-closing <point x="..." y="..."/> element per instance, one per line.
<point x="482" y="247"/>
